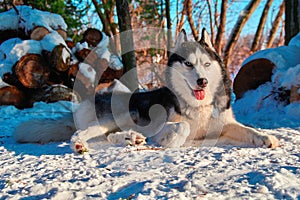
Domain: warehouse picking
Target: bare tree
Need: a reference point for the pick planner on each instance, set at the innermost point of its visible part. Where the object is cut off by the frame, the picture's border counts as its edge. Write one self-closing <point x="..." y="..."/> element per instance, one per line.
<point x="212" y="30"/>
<point x="105" y="23"/>
<point x="275" y="26"/>
<point x="109" y="7"/>
<point x="234" y="36"/>
<point x="292" y="19"/>
<point x="261" y="25"/>
<point x="189" y="12"/>
<point x="169" y="27"/>
<point x="127" y="45"/>
<point x="221" y="27"/>
<point x="180" y="22"/>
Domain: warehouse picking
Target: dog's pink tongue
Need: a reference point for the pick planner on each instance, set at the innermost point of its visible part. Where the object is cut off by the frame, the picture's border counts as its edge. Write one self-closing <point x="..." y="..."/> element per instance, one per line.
<point x="199" y="94"/>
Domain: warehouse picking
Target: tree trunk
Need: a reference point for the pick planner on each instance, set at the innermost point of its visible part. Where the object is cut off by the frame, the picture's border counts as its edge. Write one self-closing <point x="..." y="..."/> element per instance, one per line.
<point x="169" y="27"/>
<point x="109" y="6"/>
<point x="275" y="26"/>
<point x="127" y="45"/>
<point x="261" y="25"/>
<point x="292" y="19"/>
<point x="105" y="23"/>
<point x="189" y="12"/>
<point x="180" y="23"/>
<point x="234" y="36"/>
<point x="221" y="28"/>
<point x="211" y="23"/>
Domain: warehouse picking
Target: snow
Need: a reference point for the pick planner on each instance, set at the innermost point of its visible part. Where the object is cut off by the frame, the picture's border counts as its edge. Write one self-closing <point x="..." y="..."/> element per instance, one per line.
<point x="295" y="41"/>
<point x="13" y="49"/>
<point x="44" y="171"/>
<point x="38" y="171"/>
<point x="88" y="72"/>
<point x="259" y="108"/>
<point x="102" y="51"/>
<point x="52" y="40"/>
<point x="30" y="18"/>
<point x="53" y="171"/>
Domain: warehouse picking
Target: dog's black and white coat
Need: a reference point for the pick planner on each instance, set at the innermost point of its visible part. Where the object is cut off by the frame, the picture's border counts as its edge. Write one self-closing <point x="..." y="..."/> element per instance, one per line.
<point x="192" y="109"/>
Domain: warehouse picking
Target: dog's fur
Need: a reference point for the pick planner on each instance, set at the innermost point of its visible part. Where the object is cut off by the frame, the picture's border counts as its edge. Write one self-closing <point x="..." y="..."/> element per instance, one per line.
<point x="171" y="116"/>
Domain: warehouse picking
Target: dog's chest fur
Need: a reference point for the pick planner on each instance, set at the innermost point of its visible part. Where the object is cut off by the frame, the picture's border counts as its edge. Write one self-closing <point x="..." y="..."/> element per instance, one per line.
<point x="199" y="119"/>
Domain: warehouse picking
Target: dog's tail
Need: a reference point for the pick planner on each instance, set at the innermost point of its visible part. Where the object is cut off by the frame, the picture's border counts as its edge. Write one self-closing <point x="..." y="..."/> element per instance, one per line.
<point x="46" y="130"/>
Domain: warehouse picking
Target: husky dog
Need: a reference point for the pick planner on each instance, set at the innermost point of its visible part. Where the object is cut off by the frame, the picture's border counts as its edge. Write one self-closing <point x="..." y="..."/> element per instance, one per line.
<point x="192" y="109"/>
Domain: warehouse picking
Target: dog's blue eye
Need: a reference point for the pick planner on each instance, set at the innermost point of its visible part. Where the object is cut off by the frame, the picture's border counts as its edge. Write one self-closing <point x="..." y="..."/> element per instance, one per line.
<point x="188" y="64"/>
<point x="207" y="64"/>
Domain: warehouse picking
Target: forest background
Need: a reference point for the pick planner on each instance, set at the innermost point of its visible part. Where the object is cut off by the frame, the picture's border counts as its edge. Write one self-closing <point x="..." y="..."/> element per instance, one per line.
<point x="238" y="28"/>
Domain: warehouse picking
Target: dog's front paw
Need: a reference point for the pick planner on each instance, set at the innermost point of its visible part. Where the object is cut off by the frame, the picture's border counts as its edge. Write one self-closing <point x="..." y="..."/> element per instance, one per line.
<point x="173" y="134"/>
<point x="78" y="145"/>
<point x="269" y="141"/>
<point x="127" y="138"/>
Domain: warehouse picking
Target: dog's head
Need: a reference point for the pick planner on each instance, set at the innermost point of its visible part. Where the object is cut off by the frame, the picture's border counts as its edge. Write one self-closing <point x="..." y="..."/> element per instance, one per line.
<point x="195" y="72"/>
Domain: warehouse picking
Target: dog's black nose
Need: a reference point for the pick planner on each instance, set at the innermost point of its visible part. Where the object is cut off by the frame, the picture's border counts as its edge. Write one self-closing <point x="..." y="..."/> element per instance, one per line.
<point x="202" y="82"/>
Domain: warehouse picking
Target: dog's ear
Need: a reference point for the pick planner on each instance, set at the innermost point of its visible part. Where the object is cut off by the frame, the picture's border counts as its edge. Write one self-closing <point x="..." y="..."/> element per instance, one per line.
<point x="205" y="39"/>
<point x="180" y="39"/>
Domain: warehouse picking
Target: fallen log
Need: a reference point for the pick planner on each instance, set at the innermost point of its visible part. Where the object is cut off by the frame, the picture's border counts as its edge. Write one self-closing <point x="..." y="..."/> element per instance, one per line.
<point x="60" y="58"/>
<point x="11" y="95"/>
<point x="62" y="33"/>
<point x="86" y="55"/>
<point x="295" y="94"/>
<point x="252" y="75"/>
<point x="92" y="36"/>
<point x="31" y="70"/>
<point x="8" y="34"/>
<point x="39" y="32"/>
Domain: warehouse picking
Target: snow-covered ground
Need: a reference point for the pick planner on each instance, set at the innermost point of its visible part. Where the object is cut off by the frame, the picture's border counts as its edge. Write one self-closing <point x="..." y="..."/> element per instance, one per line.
<point x="43" y="171"/>
<point x="53" y="171"/>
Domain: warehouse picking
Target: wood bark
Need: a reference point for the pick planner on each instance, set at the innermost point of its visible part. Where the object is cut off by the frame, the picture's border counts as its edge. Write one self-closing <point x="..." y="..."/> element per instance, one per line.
<point x="60" y="58"/>
<point x="8" y="34"/>
<point x="39" y="32"/>
<point x="92" y="36"/>
<point x="105" y="23"/>
<point x="32" y="71"/>
<point x="189" y="12"/>
<point x="127" y="44"/>
<point x="180" y="23"/>
<point x="211" y="21"/>
<point x="221" y="27"/>
<point x="109" y="7"/>
<point x="292" y="19"/>
<point x="169" y="27"/>
<point x="261" y="25"/>
<point x="234" y="36"/>
<point x="11" y="95"/>
<point x="275" y="26"/>
<point x="252" y="75"/>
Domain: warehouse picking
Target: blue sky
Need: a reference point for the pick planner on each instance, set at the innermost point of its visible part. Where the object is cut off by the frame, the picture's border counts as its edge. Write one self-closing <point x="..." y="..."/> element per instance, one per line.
<point x="234" y="11"/>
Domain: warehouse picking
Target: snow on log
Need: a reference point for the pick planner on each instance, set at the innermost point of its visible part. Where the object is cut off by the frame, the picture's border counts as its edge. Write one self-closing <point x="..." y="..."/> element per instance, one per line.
<point x="27" y="18"/>
<point x="280" y="66"/>
<point x="32" y="71"/>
